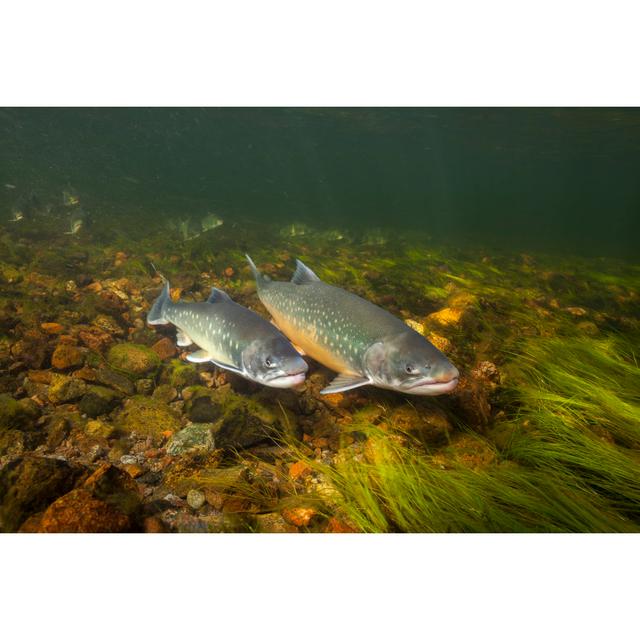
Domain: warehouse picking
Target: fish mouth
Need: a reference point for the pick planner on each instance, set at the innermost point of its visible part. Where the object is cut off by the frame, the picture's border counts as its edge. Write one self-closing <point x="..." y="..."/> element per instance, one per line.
<point x="287" y="380"/>
<point x="432" y="388"/>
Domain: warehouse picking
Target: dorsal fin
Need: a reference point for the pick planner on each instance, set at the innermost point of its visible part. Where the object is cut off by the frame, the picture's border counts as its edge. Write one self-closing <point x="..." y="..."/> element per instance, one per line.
<point x="303" y="275"/>
<point x="218" y="295"/>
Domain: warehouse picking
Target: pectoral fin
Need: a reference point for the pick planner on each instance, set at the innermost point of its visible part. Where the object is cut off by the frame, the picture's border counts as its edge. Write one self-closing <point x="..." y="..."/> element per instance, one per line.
<point x="183" y="340"/>
<point x="199" y="356"/>
<point x="344" y="382"/>
<point x="205" y="356"/>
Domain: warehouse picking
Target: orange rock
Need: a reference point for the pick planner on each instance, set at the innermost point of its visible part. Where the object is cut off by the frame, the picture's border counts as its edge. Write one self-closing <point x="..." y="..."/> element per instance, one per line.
<point x="175" y="294"/>
<point x="134" y="470"/>
<point x="338" y="526"/>
<point x="446" y="317"/>
<point x="94" y="287"/>
<point x="52" y="328"/>
<point x="121" y="255"/>
<point x="66" y="339"/>
<point x="229" y="272"/>
<point x="165" y="348"/>
<point x="153" y="524"/>
<point x="86" y="373"/>
<point x="299" y="470"/>
<point x="334" y="399"/>
<point x="299" y="516"/>
<point x="79" y="512"/>
<point x="66" y="356"/>
<point x="440" y="342"/>
<point x="40" y="377"/>
<point x="95" y="338"/>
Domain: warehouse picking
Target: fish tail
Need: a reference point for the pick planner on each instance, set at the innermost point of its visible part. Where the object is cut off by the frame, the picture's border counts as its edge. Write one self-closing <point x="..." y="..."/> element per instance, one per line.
<point x="157" y="314"/>
<point x="260" y="279"/>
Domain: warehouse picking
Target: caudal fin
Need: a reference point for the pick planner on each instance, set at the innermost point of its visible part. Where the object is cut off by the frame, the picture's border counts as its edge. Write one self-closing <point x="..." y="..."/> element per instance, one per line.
<point x="260" y="279"/>
<point x="157" y="313"/>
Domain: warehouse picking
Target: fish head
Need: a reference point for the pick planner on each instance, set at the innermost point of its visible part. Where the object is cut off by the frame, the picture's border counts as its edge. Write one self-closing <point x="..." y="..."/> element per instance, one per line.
<point x="409" y="363"/>
<point x="274" y="362"/>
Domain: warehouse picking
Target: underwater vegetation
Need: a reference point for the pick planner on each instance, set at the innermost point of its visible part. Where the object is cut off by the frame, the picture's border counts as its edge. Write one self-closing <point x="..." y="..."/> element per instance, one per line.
<point x="568" y="460"/>
<point x="105" y="426"/>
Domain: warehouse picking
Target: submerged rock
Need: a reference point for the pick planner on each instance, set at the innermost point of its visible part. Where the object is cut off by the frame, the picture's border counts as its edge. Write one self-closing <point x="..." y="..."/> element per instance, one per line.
<point x="195" y="436"/>
<point x="65" y="389"/>
<point x="115" y="380"/>
<point x="67" y="356"/>
<point x="147" y="416"/>
<point x="108" y="502"/>
<point x="132" y="359"/>
<point x="29" y="484"/>
<point x="99" y="400"/>
<point x="17" y="414"/>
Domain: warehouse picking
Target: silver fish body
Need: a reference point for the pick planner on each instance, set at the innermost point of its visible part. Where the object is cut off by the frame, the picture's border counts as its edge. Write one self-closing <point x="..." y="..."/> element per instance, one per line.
<point x="362" y="342"/>
<point x="232" y="337"/>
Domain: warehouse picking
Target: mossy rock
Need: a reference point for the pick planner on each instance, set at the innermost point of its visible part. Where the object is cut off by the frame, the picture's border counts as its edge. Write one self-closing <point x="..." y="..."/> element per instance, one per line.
<point x="99" y="400"/>
<point x="239" y="422"/>
<point x="66" y="388"/>
<point x="135" y="360"/>
<point x="110" y="378"/>
<point x="17" y="414"/>
<point x="147" y="416"/>
<point x="29" y="484"/>
<point x="181" y="374"/>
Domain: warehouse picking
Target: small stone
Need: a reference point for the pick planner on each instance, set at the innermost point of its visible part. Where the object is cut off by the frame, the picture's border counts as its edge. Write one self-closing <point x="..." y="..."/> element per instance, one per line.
<point x="335" y="525"/>
<point x="147" y="417"/>
<point x="274" y="523"/>
<point x="195" y="499"/>
<point x="40" y="377"/>
<point x="66" y="356"/>
<point x="17" y="414"/>
<point x="195" y="436"/>
<point x="165" y="348"/>
<point x="153" y="524"/>
<point x="52" y="328"/>
<point x="447" y="317"/>
<point x="134" y="470"/>
<point x="415" y="325"/>
<point x="98" y="401"/>
<point x="439" y="342"/>
<point x="128" y="459"/>
<point x="95" y="338"/>
<point x="228" y="272"/>
<point x="115" y="380"/>
<point x="144" y="387"/>
<point x="165" y="393"/>
<point x="299" y="470"/>
<point x="299" y="516"/>
<point x="99" y="429"/>
<point x="578" y="312"/>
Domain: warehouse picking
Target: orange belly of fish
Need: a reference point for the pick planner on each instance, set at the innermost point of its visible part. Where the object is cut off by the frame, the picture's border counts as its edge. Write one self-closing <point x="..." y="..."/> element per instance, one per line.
<point x="305" y="338"/>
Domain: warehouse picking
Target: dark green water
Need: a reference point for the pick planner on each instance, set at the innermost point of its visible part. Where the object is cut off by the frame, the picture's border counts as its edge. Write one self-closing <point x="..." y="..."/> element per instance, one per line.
<point x="555" y="179"/>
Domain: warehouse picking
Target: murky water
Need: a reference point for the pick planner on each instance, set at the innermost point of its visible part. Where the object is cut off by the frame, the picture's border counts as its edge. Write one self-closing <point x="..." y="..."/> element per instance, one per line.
<point x="506" y="237"/>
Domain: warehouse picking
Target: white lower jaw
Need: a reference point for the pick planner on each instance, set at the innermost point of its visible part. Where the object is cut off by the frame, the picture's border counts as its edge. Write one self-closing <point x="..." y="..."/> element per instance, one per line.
<point x="432" y="388"/>
<point x="284" y="382"/>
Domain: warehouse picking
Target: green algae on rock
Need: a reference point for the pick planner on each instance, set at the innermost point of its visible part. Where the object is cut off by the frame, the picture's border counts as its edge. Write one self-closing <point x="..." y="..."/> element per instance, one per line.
<point x="16" y="414"/>
<point x="196" y="436"/>
<point x="147" y="417"/>
<point x="99" y="400"/>
<point x="135" y="360"/>
<point x="29" y="484"/>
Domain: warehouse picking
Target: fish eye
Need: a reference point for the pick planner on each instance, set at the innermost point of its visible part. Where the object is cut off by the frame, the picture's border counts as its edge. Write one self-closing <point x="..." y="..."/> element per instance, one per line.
<point x="269" y="363"/>
<point x="410" y="369"/>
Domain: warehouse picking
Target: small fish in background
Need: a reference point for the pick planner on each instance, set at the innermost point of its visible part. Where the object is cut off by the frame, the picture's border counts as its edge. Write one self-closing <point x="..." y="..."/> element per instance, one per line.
<point x="70" y="197"/>
<point x="294" y="230"/>
<point x="232" y="337"/>
<point x="334" y="235"/>
<point x="211" y="221"/>
<point x="76" y="222"/>
<point x="16" y="215"/>
<point x="9" y="186"/>
<point x="189" y="229"/>
<point x="376" y="237"/>
<point x="363" y="343"/>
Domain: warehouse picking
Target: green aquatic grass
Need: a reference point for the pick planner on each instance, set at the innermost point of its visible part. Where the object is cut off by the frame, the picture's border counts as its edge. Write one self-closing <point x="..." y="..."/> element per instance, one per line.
<point x="570" y="461"/>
